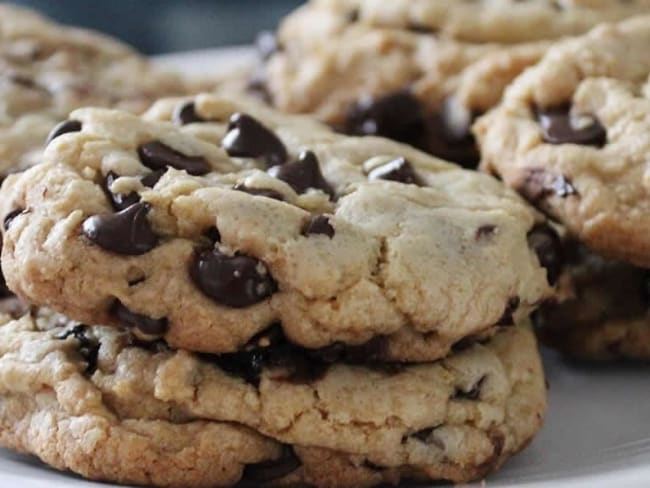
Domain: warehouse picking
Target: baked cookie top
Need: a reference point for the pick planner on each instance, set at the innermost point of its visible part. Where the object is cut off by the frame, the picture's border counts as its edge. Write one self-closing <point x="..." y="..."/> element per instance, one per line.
<point x="456" y="419"/>
<point x="504" y="21"/>
<point x="571" y="135"/>
<point x="49" y="70"/>
<point x="407" y="85"/>
<point x="208" y="233"/>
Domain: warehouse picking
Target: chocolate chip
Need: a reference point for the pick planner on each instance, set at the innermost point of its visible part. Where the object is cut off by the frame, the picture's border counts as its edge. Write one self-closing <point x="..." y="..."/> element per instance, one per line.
<point x="127" y="232"/>
<point x="88" y="348"/>
<point x="426" y="436"/>
<point x="448" y="134"/>
<point x="539" y="183"/>
<point x="267" y="45"/>
<point x="399" y="170"/>
<point x="473" y="394"/>
<point x="560" y="127"/>
<point x="63" y="128"/>
<point x="485" y="232"/>
<point x="234" y="281"/>
<point x="510" y="309"/>
<point x="248" y="138"/>
<point x="149" y="180"/>
<point x="546" y="243"/>
<point x="266" y="471"/>
<point x="302" y="174"/>
<point x="11" y="216"/>
<point x="141" y="322"/>
<point x="120" y="201"/>
<point x="259" y="192"/>
<point x="319" y="224"/>
<point x="213" y="234"/>
<point x="397" y="116"/>
<point x="156" y="155"/>
<point x="186" y="114"/>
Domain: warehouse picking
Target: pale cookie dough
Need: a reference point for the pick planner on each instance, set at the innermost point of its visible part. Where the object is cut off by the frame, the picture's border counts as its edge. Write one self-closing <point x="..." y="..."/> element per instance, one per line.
<point x="602" y="311"/>
<point x="572" y="136"/>
<point x="340" y="240"/>
<point x="48" y="70"/>
<point x="413" y="87"/>
<point x="100" y="402"/>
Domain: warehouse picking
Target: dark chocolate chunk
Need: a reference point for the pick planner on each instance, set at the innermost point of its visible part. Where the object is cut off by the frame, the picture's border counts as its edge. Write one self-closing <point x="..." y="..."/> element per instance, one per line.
<point x="63" y="128"/>
<point x="473" y="394"/>
<point x="510" y="309"/>
<point x="538" y="184"/>
<point x="156" y="155"/>
<point x="302" y="174"/>
<point x="546" y="243"/>
<point x="149" y="180"/>
<point x="319" y="224"/>
<point x="141" y="322"/>
<point x="397" y="116"/>
<point x="11" y="216"/>
<point x="248" y="138"/>
<point x="259" y="192"/>
<point x="485" y="232"/>
<point x="213" y="234"/>
<point x="266" y="471"/>
<point x="449" y="137"/>
<point x="120" y="201"/>
<point x="234" y="281"/>
<point x="560" y="127"/>
<point x="186" y="114"/>
<point x="88" y="348"/>
<point x="399" y="170"/>
<point x="127" y="232"/>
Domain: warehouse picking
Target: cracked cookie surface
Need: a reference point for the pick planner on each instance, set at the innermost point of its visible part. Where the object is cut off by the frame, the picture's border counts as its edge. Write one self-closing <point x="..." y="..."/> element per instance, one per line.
<point x="49" y="70"/>
<point x="120" y="409"/>
<point x="328" y="241"/>
<point x="571" y="135"/>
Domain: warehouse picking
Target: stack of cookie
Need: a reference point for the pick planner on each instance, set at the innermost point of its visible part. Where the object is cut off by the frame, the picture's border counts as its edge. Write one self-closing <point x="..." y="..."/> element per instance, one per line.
<point x="250" y="297"/>
<point x="571" y="135"/>
<point x="418" y="71"/>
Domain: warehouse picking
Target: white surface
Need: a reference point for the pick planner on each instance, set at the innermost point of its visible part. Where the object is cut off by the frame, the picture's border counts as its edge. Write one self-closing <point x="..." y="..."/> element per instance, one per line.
<point x="597" y="432"/>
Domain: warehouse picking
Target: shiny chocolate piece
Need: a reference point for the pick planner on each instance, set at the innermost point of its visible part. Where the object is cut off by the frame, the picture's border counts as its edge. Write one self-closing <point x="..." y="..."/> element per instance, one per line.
<point x="127" y="232"/>
<point x="399" y="170"/>
<point x="259" y="192"/>
<point x="248" y="138"/>
<point x="546" y="243"/>
<point x="538" y="184"/>
<point x="119" y="201"/>
<point x="145" y="324"/>
<point x="64" y="127"/>
<point x="559" y="126"/>
<point x="397" y="116"/>
<point x="149" y="180"/>
<point x="233" y="281"/>
<point x="156" y="155"/>
<point x="302" y="174"/>
<point x="319" y="225"/>
<point x="186" y="114"/>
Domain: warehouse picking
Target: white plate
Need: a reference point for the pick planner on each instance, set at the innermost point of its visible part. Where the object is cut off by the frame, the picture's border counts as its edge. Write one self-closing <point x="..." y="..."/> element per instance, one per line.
<point x="597" y="432"/>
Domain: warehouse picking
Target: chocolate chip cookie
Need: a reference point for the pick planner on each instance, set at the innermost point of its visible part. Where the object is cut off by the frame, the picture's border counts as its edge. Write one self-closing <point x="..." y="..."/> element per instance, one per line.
<point x="407" y="85"/>
<point x="571" y="136"/>
<point x="601" y="312"/>
<point x="104" y="404"/>
<point x="505" y="21"/>
<point x="47" y="70"/>
<point x="209" y="231"/>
